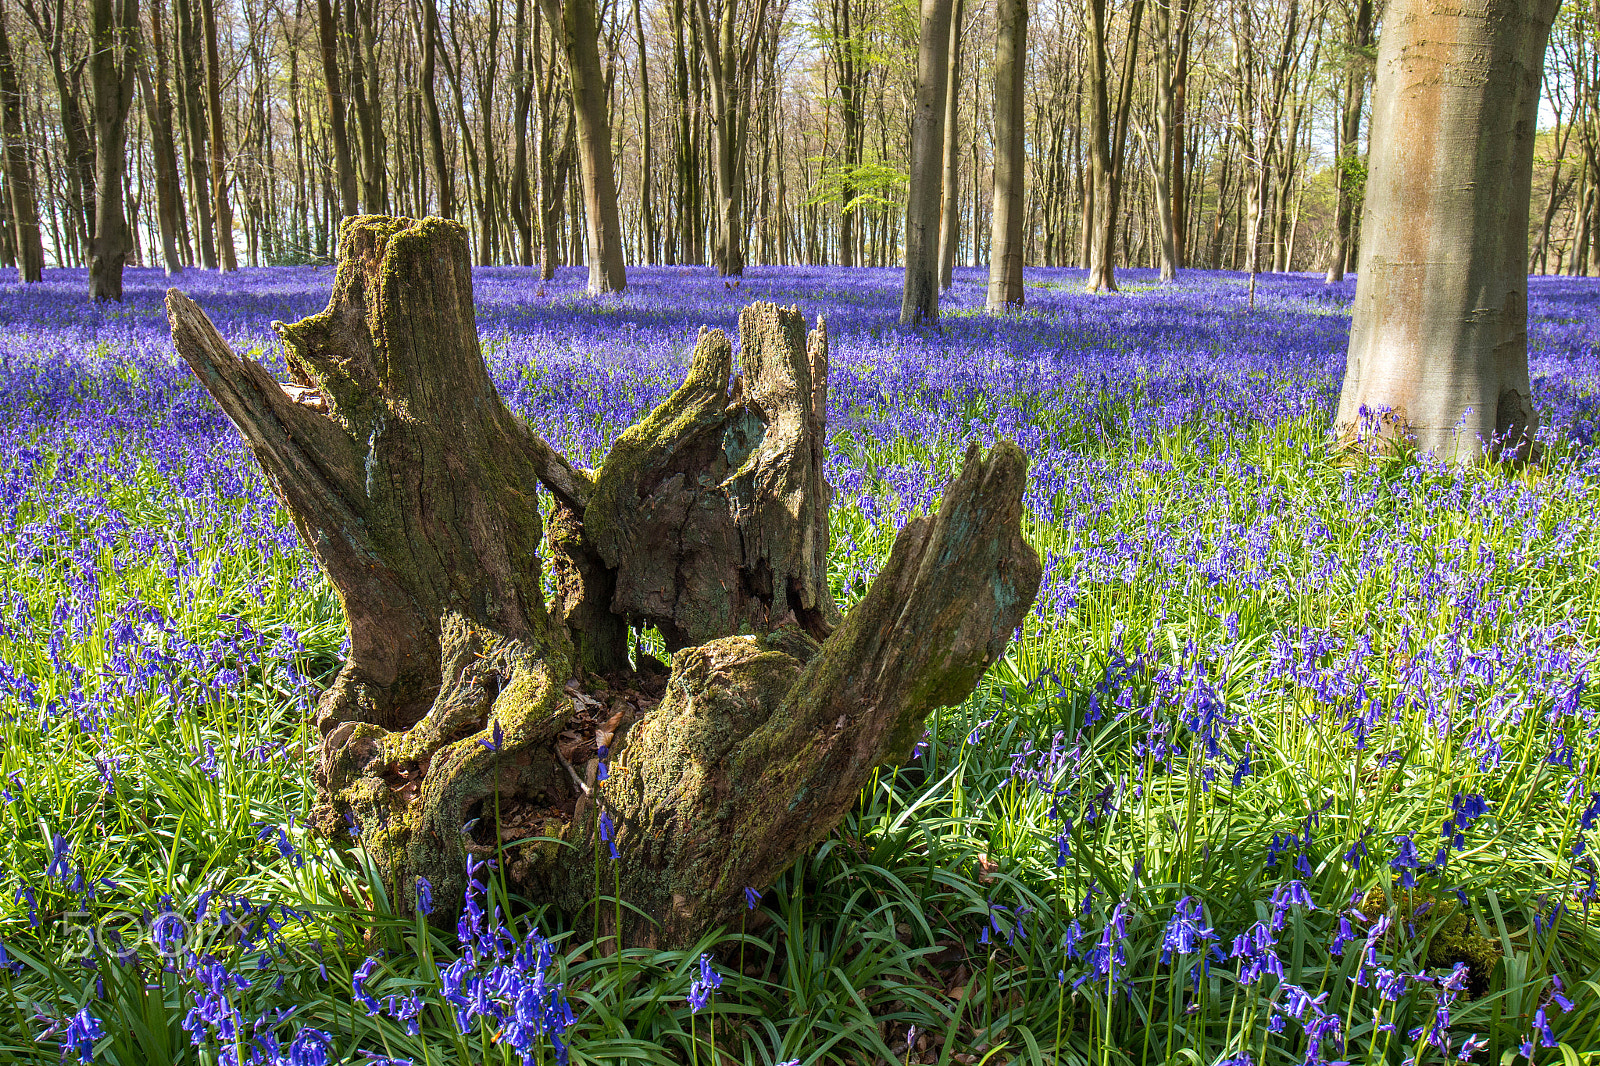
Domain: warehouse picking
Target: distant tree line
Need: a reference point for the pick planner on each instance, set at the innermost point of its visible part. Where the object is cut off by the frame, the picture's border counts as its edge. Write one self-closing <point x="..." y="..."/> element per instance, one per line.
<point x="1096" y="133"/>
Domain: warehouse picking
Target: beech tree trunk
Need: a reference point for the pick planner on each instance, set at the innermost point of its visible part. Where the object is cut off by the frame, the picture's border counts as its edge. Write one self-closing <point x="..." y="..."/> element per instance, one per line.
<point x="443" y="179"/>
<point x="731" y="72"/>
<point x="465" y="696"/>
<point x="520" y="201"/>
<point x="646" y="131"/>
<point x="1347" y="167"/>
<point x="115" y="34"/>
<point x="576" y="20"/>
<point x="1005" y="224"/>
<point x="1179" y="111"/>
<point x="1162" y="156"/>
<point x="158" y="109"/>
<point x="81" y="161"/>
<point x="919" y="301"/>
<point x="1108" y="140"/>
<point x="1439" y="337"/>
<point x="191" y="68"/>
<point x="19" y="169"/>
<point x="223" y="230"/>
<point x="950" y="193"/>
<point x="343" y="165"/>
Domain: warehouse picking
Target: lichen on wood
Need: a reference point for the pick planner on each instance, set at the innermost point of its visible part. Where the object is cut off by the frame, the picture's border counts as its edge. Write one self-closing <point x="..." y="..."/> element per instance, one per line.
<point x="467" y="700"/>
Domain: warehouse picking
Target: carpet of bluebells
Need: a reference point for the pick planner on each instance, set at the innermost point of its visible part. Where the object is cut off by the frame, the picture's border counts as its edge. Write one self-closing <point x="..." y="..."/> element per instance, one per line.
<point x="1295" y="760"/>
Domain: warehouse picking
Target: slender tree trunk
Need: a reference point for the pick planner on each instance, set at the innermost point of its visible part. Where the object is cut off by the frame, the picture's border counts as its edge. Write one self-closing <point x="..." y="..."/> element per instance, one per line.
<point x="1348" y="165"/>
<point x="683" y="159"/>
<point x="158" y="109"/>
<point x="919" y="301"/>
<point x="1438" y="341"/>
<point x="1183" y="31"/>
<point x="950" y="194"/>
<point x="223" y="233"/>
<point x="731" y="69"/>
<point x="1097" y="202"/>
<point x="369" y="105"/>
<point x="28" y="245"/>
<point x="192" y="108"/>
<point x="1162" y="159"/>
<point x="1109" y="131"/>
<point x="344" y="167"/>
<point x="580" y="35"/>
<point x="115" y="35"/>
<point x="488" y="185"/>
<point x="848" y="61"/>
<point x="443" y="180"/>
<point x="1006" y="222"/>
<point x="646" y="134"/>
<point x="521" y="214"/>
<point x="80" y="165"/>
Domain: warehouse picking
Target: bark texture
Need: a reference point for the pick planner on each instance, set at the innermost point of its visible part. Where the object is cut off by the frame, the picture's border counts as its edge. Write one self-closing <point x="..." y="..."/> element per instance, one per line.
<point x="1355" y="91"/>
<point x="466" y="697"/>
<point x="1439" y="337"/>
<point x="919" y="301"/>
<point x="579" y="27"/>
<point x="19" y="169"/>
<point x="950" y="192"/>
<point x="116" y="34"/>
<point x="1010" y="165"/>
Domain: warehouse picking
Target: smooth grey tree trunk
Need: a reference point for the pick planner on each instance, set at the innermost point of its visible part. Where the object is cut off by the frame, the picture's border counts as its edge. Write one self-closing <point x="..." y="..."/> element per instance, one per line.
<point x="19" y="169"/>
<point x="158" y="110"/>
<point x="1161" y="167"/>
<point x="919" y="301"/>
<point x="1355" y="91"/>
<point x="344" y="167"/>
<point x="1108" y="141"/>
<point x="223" y="231"/>
<point x="950" y="193"/>
<point x="518" y="198"/>
<point x="191" y="108"/>
<point x="580" y="36"/>
<point x="443" y="179"/>
<point x="115" y="34"/>
<point x="1439" y="340"/>
<point x="730" y="68"/>
<point x="1005" y="226"/>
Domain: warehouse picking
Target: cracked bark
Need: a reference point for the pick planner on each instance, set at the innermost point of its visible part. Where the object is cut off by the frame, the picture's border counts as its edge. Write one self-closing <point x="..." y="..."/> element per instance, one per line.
<point x="465" y="696"/>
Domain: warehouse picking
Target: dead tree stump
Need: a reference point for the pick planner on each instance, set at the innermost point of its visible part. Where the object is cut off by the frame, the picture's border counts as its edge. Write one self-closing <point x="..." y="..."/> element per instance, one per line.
<point x="467" y="700"/>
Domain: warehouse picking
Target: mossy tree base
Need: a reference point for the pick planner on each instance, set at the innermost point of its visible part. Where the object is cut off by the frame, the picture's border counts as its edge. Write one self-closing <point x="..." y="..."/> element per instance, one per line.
<point x="466" y="697"/>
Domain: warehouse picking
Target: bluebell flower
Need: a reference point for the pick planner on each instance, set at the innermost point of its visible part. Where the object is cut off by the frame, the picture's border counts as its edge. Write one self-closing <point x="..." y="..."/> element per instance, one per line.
<point x="83" y="1029"/>
<point x="424" y="896"/>
<point x="310" y="1047"/>
<point x="704" y="987"/>
<point x="1289" y="894"/>
<point x="1547" y="1038"/>
<point x="60" y="867"/>
<point x="1186" y="931"/>
<point x="358" y="986"/>
<point x="1405" y="861"/>
<point x="499" y="737"/>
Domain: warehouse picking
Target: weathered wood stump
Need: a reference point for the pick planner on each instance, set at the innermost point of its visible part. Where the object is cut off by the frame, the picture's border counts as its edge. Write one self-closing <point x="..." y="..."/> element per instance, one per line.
<point x="466" y="700"/>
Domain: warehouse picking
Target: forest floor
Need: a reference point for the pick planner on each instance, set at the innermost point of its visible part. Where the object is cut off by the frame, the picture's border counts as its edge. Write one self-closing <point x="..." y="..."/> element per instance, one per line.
<point x="1295" y="759"/>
